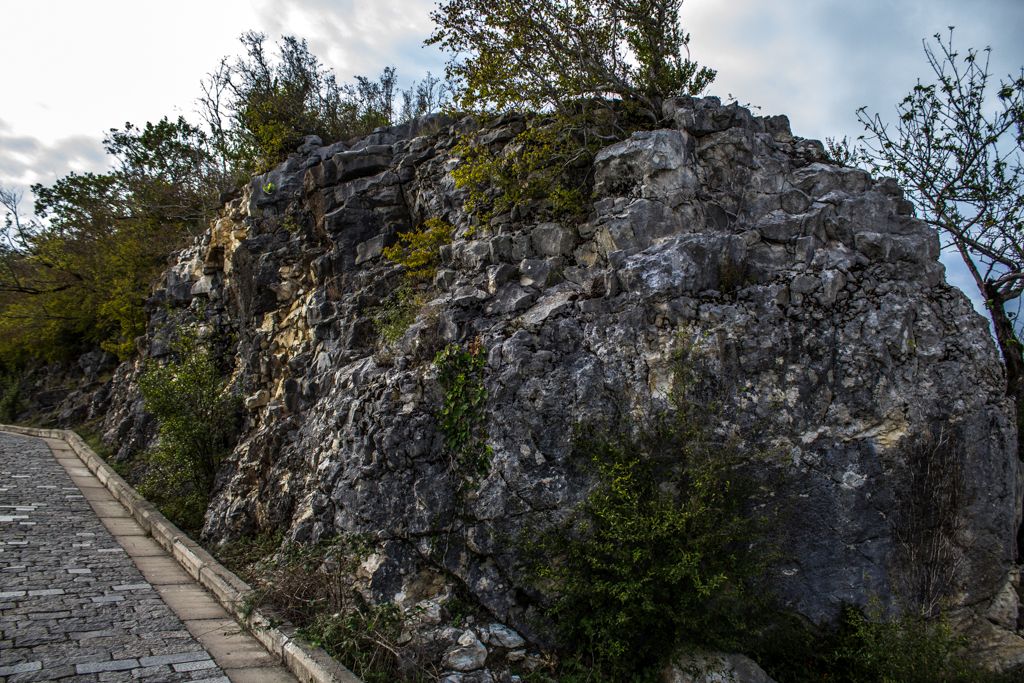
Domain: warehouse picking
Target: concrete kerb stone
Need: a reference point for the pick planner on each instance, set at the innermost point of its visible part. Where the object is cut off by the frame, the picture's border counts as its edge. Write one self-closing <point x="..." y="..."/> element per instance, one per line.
<point x="274" y="639"/>
<point x="231" y="591"/>
<point x="308" y="664"/>
<point x="318" y="665"/>
<point x="188" y="560"/>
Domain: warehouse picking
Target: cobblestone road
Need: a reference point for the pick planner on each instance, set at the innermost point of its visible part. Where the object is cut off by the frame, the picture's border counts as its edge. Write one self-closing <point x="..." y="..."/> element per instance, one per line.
<point x="76" y="605"/>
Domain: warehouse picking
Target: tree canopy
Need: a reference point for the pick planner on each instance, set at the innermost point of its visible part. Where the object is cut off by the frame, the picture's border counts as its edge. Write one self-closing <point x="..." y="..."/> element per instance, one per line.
<point x="76" y="275"/>
<point x="545" y="54"/>
<point x="259" y="106"/>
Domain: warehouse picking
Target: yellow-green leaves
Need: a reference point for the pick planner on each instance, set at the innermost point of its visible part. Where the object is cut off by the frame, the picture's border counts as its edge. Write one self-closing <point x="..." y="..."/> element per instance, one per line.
<point x="540" y="164"/>
<point x="419" y="250"/>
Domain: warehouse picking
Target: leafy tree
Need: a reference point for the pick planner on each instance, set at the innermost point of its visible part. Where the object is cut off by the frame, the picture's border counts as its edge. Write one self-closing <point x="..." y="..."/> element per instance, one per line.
<point x="75" y="275"/>
<point x="956" y="146"/>
<point x="596" y="71"/>
<point x="545" y="54"/>
<point x="662" y="552"/>
<point x="374" y="100"/>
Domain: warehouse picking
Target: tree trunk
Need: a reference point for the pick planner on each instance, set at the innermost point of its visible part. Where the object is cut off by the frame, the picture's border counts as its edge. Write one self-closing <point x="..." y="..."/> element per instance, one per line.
<point x="1013" y="354"/>
<point x="1013" y="361"/>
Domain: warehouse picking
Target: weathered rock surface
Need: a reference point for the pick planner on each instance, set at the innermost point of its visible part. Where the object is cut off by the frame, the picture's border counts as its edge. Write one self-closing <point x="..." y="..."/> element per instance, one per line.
<point x="807" y="290"/>
<point x="715" y="668"/>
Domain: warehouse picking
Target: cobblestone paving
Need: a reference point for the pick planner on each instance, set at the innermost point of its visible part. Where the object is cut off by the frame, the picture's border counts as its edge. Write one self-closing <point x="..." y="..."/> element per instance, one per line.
<point x="73" y="605"/>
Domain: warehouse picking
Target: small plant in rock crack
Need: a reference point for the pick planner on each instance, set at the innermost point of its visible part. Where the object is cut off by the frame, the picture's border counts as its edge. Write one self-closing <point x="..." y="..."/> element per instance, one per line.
<point x="462" y="416"/>
<point x="393" y="318"/>
<point x="419" y="250"/>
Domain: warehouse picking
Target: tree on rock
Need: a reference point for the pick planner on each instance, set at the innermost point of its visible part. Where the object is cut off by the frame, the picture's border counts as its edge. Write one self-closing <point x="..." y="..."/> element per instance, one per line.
<point x="545" y="54"/>
<point x="958" y="151"/>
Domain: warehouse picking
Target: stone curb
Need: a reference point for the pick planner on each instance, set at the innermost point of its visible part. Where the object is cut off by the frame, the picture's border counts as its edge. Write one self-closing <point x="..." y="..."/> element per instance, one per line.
<point x="308" y="664"/>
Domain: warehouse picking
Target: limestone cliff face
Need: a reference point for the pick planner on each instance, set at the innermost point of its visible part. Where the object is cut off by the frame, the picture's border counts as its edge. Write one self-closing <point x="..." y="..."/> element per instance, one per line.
<point x="809" y="290"/>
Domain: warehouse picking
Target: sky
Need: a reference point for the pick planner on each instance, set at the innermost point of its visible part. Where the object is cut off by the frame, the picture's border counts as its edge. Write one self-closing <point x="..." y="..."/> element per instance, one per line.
<point x="76" y="69"/>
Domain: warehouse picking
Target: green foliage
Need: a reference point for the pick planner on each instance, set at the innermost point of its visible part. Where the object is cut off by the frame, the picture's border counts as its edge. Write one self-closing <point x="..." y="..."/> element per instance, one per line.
<point x="660" y="553"/>
<point x="543" y="164"/>
<point x="419" y="250"/>
<point x="463" y="417"/>
<point x="397" y="313"/>
<point x="76" y="276"/>
<point x="358" y="638"/>
<point x="198" y="422"/>
<point x="10" y="398"/>
<point x="544" y="55"/>
<point x="873" y="648"/>
<point x="260" y="106"/>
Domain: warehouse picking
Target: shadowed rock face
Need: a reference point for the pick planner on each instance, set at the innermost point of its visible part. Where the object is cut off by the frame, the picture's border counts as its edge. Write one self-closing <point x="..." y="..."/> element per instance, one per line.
<point x="807" y="291"/>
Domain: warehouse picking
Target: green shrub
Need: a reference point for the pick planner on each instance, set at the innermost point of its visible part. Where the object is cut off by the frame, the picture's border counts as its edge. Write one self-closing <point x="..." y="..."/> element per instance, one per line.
<point x="312" y="587"/>
<point x="198" y="422"/>
<point x="397" y="313"/>
<point x="361" y="638"/>
<point x="10" y="398"/>
<point x="419" y="250"/>
<point x="871" y="648"/>
<point x="541" y="165"/>
<point x="462" y="416"/>
<point x="659" y="554"/>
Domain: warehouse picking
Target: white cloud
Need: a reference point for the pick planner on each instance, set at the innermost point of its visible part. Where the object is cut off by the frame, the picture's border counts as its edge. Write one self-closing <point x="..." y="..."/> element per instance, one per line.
<point x="819" y="61"/>
<point x="359" y="38"/>
<point x="25" y="159"/>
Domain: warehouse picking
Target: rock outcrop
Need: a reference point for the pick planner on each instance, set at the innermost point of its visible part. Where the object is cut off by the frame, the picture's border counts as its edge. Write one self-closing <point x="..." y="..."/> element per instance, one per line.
<point x="806" y="289"/>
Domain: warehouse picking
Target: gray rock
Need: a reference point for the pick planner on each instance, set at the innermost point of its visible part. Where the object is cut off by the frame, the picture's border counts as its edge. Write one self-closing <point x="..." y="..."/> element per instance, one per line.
<point x="650" y="164"/>
<point x="365" y="162"/>
<point x="469" y="655"/>
<point x="370" y="249"/>
<point x="538" y="272"/>
<point x="310" y="144"/>
<point x="499" y="635"/>
<point x="553" y="239"/>
<point x="550" y="305"/>
<point x="804" y="287"/>
<point x="715" y="667"/>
